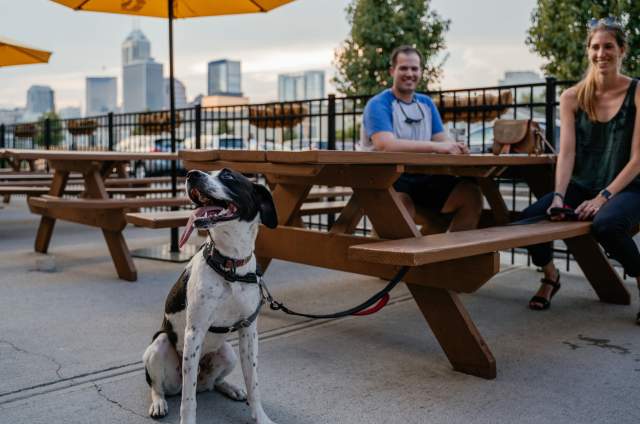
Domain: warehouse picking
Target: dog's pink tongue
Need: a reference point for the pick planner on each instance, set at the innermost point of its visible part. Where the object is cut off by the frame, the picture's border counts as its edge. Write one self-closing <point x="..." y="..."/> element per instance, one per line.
<point x="197" y="213"/>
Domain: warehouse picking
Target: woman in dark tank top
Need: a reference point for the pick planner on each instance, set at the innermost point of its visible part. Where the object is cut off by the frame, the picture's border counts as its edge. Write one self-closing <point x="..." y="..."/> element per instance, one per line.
<point x="599" y="159"/>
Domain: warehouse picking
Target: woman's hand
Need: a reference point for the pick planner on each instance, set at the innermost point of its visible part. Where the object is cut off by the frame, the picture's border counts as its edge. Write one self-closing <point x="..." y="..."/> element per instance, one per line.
<point x="589" y="208"/>
<point x="556" y="203"/>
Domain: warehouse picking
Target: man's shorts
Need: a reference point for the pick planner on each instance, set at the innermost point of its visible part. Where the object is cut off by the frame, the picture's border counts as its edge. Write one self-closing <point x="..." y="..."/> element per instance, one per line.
<point x="428" y="191"/>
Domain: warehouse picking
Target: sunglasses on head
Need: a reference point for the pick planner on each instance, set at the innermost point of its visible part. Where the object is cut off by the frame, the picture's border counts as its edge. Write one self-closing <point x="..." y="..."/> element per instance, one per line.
<point x="608" y="22"/>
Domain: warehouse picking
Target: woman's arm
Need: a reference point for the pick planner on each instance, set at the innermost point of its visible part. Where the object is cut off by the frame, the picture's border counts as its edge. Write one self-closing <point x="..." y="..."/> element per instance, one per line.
<point x="567" y="154"/>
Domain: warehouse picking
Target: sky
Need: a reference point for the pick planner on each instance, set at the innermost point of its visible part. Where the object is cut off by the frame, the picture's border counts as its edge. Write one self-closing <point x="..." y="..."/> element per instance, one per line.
<point x="486" y="38"/>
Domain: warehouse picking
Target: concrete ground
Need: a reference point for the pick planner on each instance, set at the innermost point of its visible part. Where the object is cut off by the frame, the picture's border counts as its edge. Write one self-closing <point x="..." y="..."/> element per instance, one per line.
<point x="71" y="342"/>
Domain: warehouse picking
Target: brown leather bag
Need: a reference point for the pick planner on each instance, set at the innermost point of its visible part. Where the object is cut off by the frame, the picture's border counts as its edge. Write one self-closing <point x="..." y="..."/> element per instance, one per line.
<point x="518" y="136"/>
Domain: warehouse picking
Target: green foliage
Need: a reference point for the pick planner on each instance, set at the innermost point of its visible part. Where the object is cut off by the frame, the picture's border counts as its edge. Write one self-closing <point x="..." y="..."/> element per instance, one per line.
<point x="55" y="127"/>
<point x="225" y="127"/>
<point x="559" y="29"/>
<point x="377" y="27"/>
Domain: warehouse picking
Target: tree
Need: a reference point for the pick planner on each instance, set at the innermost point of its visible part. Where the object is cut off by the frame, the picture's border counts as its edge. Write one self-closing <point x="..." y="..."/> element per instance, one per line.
<point x="559" y="29"/>
<point x="377" y="27"/>
<point x="55" y="130"/>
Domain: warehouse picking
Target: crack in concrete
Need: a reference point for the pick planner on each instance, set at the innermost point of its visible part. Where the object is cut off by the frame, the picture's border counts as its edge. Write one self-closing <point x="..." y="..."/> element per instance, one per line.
<point x="118" y="404"/>
<point x="604" y="343"/>
<point x="573" y="346"/>
<point x="49" y="358"/>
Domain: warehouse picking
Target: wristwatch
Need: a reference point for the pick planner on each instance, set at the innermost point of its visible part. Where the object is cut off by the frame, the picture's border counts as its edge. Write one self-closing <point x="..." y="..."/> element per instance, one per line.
<point x="606" y="194"/>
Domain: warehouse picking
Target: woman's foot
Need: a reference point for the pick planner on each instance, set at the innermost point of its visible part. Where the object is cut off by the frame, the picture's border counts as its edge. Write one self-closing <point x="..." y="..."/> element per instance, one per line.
<point x="549" y="287"/>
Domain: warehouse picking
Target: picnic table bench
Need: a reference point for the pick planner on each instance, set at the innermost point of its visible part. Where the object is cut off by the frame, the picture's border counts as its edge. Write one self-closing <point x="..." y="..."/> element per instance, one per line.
<point x="95" y="208"/>
<point x="442" y="265"/>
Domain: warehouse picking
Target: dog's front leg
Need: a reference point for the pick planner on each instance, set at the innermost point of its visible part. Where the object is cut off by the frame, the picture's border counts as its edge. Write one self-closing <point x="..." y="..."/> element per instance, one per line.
<point x="193" y="338"/>
<point x="249" y="361"/>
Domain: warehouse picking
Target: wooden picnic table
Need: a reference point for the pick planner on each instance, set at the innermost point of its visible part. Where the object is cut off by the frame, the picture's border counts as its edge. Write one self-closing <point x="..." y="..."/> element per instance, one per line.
<point x="95" y="207"/>
<point x="436" y="285"/>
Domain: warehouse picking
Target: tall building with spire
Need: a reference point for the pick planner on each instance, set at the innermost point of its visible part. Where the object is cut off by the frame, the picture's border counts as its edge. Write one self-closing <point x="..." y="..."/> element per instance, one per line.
<point x="136" y="48"/>
<point x="142" y="79"/>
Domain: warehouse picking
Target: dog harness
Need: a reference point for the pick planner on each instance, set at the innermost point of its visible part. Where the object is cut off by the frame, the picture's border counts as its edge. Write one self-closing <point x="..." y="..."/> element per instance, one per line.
<point x="226" y="267"/>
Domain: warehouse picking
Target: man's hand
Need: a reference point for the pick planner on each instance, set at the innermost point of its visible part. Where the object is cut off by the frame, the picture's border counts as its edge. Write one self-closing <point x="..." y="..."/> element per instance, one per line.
<point x="451" y="148"/>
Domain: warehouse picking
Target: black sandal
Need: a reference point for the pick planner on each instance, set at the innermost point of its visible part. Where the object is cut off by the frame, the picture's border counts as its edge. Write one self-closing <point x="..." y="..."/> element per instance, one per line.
<point x="546" y="303"/>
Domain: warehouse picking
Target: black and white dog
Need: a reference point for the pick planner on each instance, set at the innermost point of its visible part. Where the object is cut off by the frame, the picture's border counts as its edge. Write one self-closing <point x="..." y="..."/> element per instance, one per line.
<point x="218" y="292"/>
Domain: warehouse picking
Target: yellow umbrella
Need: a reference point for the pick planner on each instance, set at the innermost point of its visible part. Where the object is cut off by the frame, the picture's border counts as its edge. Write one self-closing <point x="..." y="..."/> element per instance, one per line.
<point x="181" y="8"/>
<point x="173" y="9"/>
<point x="14" y="53"/>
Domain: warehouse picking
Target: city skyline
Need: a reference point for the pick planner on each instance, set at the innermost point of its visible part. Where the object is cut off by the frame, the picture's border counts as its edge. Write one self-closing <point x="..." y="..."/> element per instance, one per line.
<point x="300" y="36"/>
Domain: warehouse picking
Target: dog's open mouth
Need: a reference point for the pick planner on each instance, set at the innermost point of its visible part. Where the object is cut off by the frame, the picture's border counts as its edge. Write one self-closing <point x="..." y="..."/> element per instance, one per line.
<point x="210" y="209"/>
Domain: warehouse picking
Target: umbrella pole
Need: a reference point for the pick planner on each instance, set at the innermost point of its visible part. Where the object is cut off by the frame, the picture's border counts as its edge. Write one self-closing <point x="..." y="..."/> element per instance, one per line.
<point x="172" y="105"/>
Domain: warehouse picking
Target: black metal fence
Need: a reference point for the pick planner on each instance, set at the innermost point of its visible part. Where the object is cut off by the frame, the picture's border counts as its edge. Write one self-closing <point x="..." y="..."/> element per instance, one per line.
<point x="329" y="123"/>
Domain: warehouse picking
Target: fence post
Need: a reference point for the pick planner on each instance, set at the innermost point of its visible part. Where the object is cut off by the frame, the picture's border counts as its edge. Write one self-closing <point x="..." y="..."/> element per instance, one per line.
<point x="110" y="130"/>
<point x="550" y="111"/>
<point x="2" y="130"/>
<point x="331" y="124"/>
<point x="47" y="133"/>
<point x="198" y="112"/>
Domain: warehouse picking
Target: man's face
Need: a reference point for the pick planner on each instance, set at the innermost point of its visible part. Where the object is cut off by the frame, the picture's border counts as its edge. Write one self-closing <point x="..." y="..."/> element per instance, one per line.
<point x="406" y="73"/>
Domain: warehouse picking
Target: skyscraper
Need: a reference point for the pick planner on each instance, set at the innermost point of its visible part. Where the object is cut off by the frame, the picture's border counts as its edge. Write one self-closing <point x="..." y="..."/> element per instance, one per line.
<point x="180" y="93"/>
<point x="301" y="86"/>
<point x="143" y="86"/>
<point x="101" y="95"/>
<point x="224" y="78"/>
<point x="135" y="48"/>
<point x="40" y="100"/>
<point x="142" y="80"/>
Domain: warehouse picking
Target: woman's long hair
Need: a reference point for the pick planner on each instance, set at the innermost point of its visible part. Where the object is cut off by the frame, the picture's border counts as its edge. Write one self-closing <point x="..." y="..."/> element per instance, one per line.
<point x="587" y="86"/>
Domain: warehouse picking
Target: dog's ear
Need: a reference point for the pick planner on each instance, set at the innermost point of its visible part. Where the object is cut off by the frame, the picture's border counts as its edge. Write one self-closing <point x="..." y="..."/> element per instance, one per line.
<point x="267" y="209"/>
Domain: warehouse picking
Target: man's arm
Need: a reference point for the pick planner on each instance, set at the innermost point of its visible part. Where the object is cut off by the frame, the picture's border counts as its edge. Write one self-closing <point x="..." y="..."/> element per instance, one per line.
<point x="386" y="141"/>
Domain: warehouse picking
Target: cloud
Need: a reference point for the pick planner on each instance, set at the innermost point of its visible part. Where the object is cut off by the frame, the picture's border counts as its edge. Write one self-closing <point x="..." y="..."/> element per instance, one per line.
<point x="483" y="63"/>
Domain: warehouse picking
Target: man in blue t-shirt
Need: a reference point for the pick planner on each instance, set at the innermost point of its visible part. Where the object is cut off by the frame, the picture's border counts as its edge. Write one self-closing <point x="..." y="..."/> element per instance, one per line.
<point x="401" y="120"/>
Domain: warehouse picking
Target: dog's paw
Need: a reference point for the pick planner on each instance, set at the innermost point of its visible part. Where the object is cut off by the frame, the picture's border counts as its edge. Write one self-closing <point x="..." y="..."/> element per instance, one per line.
<point x="158" y="408"/>
<point x="263" y="419"/>
<point x="231" y="391"/>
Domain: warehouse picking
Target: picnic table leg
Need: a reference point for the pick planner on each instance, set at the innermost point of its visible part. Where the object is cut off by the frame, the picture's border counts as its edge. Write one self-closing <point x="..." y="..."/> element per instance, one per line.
<point x="45" y="229"/>
<point x="491" y="192"/>
<point x="455" y="331"/>
<point x="120" y="254"/>
<point x="598" y="270"/>
<point x="288" y="199"/>
<point x="349" y="217"/>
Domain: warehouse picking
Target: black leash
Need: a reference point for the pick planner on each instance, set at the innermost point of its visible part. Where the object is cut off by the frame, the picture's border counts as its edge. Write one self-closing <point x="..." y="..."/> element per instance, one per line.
<point x="279" y="306"/>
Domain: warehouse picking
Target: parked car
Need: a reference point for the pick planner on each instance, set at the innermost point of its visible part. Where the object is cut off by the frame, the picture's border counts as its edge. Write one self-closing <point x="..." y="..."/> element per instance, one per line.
<point x="147" y="143"/>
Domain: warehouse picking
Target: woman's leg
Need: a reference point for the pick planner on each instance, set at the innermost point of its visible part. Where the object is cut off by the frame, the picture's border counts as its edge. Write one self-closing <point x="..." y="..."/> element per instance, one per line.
<point x="542" y="254"/>
<point x="612" y="228"/>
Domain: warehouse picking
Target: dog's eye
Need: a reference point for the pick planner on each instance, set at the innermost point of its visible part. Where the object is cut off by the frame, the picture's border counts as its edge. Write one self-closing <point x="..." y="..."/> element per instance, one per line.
<point x="226" y="176"/>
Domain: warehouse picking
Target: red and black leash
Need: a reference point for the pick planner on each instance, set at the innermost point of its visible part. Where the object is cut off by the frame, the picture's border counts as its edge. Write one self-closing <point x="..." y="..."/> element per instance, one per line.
<point x="368" y="307"/>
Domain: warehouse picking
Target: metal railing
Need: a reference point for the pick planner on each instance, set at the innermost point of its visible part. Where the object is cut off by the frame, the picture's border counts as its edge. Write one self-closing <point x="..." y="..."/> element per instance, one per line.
<point x="329" y="123"/>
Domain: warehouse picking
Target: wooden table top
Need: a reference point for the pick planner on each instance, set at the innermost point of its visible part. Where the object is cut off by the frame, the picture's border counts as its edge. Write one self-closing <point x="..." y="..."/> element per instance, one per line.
<point x="363" y="158"/>
<point x="87" y="155"/>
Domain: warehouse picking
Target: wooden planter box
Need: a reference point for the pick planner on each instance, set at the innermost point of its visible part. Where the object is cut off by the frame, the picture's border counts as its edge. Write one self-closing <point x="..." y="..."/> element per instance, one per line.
<point x="157" y="122"/>
<point x="82" y="126"/>
<point x="480" y="108"/>
<point x="25" y="131"/>
<point x="285" y="115"/>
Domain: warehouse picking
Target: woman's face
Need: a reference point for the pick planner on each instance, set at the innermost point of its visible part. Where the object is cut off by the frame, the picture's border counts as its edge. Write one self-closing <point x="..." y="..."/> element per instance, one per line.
<point x="604" y="53"/>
